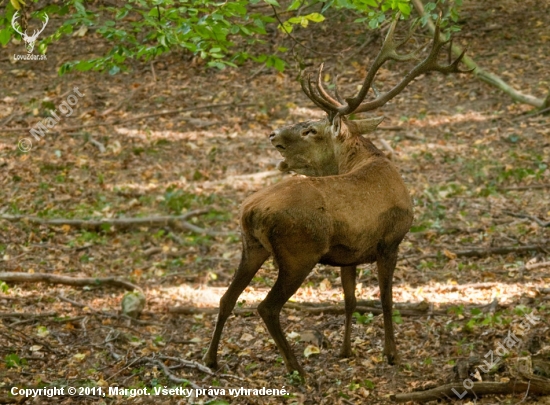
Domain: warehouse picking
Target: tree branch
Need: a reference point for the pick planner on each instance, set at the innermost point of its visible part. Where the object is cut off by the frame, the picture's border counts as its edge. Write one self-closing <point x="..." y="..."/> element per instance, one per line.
<point x="485" y="75"/>
<point x="12" y="277"/>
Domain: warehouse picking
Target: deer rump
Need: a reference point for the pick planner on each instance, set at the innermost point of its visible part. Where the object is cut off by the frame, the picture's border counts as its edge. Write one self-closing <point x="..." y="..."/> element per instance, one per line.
<point x="341" y="220"/>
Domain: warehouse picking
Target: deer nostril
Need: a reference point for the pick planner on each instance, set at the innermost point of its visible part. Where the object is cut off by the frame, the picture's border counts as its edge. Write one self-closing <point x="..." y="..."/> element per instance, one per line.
<point x="272" y="135"/>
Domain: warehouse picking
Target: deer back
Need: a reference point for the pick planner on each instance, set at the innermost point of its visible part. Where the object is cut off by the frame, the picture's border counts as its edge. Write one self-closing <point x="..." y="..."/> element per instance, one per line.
<point x="354" y="200"/>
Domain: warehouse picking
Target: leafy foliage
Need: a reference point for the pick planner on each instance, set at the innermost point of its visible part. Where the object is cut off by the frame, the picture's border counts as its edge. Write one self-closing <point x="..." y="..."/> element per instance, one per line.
<point x="221" y="33"/>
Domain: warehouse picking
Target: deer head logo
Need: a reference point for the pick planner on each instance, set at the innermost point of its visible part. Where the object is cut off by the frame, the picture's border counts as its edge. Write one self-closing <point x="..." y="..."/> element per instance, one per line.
<point x="29" y="39"/>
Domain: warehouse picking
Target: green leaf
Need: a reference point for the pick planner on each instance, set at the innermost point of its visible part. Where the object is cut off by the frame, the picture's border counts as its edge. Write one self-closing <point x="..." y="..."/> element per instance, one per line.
<point x="368" y="384"/>
<point x="295" y="5"/>
<point x="272" y="3"/>
<point x="405" y="8"/>
<point x="315" y="17"/>
<point x="280" y="64"/>
<point x="397" y="317"/>
<point x="14" y="361"/>
<point x="5" y="36"/>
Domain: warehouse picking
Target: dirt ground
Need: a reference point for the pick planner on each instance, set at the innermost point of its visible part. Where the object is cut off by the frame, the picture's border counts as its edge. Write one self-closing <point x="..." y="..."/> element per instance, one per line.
<point x="475" y="162"/>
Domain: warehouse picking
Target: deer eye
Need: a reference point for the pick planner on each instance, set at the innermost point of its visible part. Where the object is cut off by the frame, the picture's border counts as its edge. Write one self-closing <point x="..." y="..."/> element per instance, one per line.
<point x="309" y="131"/>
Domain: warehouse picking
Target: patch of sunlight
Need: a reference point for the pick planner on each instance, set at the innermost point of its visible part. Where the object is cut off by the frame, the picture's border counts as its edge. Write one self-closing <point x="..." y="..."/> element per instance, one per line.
<point x="149" y="135"/>
<point x="445" y="119"/>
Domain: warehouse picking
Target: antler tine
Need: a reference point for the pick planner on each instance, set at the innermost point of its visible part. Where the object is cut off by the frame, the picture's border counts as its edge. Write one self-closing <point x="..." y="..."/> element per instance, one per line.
<point x="321" y="90"/>
<point x="310" y="92"/>
<point x="386" y="52"/>
<point x="336" y="92"/>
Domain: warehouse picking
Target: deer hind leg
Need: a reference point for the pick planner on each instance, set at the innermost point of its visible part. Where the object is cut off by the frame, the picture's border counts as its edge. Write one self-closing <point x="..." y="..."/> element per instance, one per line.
<point x="385" y="262"/>
<point x="252" y="259"/>
<point x="348" y="275"/>
<point x="291" y="276"/>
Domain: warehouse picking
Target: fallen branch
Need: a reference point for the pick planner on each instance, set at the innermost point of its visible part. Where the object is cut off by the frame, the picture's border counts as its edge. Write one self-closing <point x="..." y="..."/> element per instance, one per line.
<point x="121" y="223"/>
<point x="532" y="266"/>
<point x="167" y="372"/>
<point x="189" y="364"/>
<point x="501" y="250"/>
<point x="26" y="314"/>
<point x="139" y="117"/>
<point x="523" y="188"/>
<point x="531" y="217"/>
<point x="57" y="279"/>
<point x="405" y="309"/>
<point x="485" y="76"/>
<point x="535" y="386"/>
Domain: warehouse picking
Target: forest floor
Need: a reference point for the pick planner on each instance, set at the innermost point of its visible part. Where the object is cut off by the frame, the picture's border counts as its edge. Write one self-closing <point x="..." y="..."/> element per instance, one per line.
<point x="475" y="162"/>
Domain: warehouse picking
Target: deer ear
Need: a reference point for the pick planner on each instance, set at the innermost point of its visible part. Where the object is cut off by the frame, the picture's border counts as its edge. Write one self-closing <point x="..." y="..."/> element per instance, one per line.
<point x="368" y="125"/>
<point x="336" y="126"/>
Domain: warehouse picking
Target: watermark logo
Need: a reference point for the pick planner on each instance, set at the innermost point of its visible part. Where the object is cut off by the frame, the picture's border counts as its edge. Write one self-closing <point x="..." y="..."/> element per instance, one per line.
<point x="41" y="128"/>
<point x="30" y="40"/>
<point x="509" y="342"/>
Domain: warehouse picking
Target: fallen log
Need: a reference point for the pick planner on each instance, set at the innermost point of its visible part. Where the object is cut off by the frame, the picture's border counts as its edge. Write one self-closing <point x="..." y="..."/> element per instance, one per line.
<point x="454" y="391"/>
<point x="14" y="277"/>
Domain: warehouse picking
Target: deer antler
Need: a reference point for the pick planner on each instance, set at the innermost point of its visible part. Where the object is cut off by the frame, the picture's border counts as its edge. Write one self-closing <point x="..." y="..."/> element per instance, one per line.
<point x="15" y="15"/>
<point x="317" y="93"/>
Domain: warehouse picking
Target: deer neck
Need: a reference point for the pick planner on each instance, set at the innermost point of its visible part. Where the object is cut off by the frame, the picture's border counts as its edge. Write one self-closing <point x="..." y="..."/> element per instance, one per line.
<point x="355" y="153"/>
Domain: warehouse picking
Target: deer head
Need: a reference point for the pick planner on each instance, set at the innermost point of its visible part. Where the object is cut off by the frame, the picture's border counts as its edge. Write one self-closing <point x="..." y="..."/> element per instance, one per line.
<point x="353" y="207"/>
<point x="310" y="148"/>
<point x="318" y="148"/>
<point x="29" y="39"/>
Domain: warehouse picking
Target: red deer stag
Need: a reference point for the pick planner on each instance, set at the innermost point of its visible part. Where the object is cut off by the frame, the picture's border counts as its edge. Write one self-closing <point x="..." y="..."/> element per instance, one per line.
<point x="353" y="209"/>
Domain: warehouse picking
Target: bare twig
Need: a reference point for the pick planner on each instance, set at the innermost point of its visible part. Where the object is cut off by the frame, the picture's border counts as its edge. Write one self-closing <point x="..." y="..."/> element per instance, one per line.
<point x="295" y="40"/>
<point x="57" y="279"/>
<point x="531" y="217"/>
<point x="189" y="364"/>
<point x="114" y="354"/>
<point x="387" y="147"/>
<point x="98" y="144"/>
<point x="529" y="187"/>
<point x="168" y="373"/>
<point x="124" y="368"/>
<point x="532" y="266"/>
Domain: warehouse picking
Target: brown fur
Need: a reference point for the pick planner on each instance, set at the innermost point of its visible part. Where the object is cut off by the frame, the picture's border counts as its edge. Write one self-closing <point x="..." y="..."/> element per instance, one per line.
<point x="353" y="209"/>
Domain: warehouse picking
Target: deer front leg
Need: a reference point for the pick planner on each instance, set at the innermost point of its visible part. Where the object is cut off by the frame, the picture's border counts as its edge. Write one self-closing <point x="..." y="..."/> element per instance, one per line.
<point x="289" y="280"/>
<point x="386" y="265"/>
<point x="348" y="275"/>
<point x="251" y="261"/>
